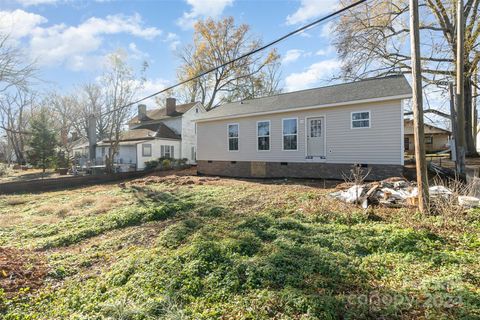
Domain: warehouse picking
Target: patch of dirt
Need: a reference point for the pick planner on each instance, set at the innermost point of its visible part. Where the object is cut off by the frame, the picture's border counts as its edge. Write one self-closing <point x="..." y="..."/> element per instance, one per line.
<point x="21" y="269"/>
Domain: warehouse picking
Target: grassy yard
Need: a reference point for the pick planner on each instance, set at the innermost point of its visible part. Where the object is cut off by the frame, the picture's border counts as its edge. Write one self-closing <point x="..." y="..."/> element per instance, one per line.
<point x="202" y="248"/>
<point x="30" y="174"/>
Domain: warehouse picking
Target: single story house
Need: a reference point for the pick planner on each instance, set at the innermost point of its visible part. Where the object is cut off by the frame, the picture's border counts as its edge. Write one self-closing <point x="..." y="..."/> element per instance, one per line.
<point x="79" y="151"/>
<point x="138" y="146"/>
<point x="314" y="133"/>
<point x="436" y="139"/>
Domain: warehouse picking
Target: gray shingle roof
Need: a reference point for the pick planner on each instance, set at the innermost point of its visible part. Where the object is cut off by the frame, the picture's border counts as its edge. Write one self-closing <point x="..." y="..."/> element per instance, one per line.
<point x="159" y="130"/>
<point x="396" y="85"/>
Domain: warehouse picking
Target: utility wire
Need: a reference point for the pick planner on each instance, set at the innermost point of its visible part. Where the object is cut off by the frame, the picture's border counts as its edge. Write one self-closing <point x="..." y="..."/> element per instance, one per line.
<point x="333" y="14"/>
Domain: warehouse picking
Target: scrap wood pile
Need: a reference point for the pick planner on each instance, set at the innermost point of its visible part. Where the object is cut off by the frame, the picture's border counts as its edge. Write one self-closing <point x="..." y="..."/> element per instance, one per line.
<point x="21" y="269"/>
<point x="395" y="192"/>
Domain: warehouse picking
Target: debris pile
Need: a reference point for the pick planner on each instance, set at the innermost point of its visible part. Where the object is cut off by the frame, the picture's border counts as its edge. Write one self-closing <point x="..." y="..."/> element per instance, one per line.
<point x="21" y="269"/>
<point x="394" y="192"/>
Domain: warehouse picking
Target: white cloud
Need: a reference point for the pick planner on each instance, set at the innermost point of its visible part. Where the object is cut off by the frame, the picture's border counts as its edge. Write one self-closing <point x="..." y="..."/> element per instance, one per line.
<point x="173" y="40"/>
<point x="151" y="86"/>
<point x="310" y="9"/>
<point x="315" y="73"/>
<point x="201" y="9"/>
<point x="292" y="56"/>
<point x="19" y="23"/>
<point x="136" y="53"/>
<point x="27" y="3"/>
<point x="91" y="62"/>
<point x="75" y="46"/>
<point x="324" y="52"/>
<point x="327" y="30"/>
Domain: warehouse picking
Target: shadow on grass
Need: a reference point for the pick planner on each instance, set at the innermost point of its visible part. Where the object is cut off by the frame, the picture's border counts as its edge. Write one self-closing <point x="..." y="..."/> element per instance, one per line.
<point x="153" y="206"/>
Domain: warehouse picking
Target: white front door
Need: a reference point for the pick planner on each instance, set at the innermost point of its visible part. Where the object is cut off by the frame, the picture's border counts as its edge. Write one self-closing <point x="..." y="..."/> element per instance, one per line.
<point x="316" y="137"/>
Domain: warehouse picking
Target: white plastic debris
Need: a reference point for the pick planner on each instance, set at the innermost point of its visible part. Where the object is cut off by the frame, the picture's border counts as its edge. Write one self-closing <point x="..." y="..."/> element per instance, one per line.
<point x="400" y="184"/>
<point x="351" y="195"/>
<point x="469" y="202"/>
<point x="434" y="191"/>
<point x="439" y="191"/>
<point x="393" y="194"/>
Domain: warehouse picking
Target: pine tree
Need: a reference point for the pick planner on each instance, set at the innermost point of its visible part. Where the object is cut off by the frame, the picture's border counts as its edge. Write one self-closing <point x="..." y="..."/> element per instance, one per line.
<point x="43" y="140"/>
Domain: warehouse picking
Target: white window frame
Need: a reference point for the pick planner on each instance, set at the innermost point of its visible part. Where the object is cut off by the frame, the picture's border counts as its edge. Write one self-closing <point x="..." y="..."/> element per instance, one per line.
<point x="369" y="119"/>
<point x="143" y="149"/>
<point x="228" y="136"/>
<point x="283" y="135"/>
<point x="429" y="138"/>
<point x="171" y="151"/>
<point x="269" y="135"/>
<point x="193" y="155"/>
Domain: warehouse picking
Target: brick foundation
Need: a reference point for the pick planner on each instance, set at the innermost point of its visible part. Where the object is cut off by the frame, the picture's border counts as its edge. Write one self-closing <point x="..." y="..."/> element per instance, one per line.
<point x="258" y="169"/>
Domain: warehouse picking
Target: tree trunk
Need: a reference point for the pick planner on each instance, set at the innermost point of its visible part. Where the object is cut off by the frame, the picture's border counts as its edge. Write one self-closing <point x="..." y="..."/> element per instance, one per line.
<point x="469" y="121"/>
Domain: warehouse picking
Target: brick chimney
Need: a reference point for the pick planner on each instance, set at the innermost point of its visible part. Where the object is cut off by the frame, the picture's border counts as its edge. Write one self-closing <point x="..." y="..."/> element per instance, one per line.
<point x="142" y="112"/>
<point x="171" y="106"/>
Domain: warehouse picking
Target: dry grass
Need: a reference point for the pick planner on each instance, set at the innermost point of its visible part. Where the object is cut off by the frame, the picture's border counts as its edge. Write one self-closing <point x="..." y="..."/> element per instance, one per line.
<point x="15" y="201"/>
<point x="104" y="205"/>
<point x="84" y="202"/>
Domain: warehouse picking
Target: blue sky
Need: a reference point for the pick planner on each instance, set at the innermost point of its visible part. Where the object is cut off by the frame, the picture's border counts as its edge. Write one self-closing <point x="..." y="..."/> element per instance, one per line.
<point x="69" y="39"/>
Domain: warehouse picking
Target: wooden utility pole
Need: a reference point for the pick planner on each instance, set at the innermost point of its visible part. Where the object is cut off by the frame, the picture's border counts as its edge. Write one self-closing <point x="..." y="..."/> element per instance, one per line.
<point x="418" y="128"/>
<point x="453" y="122"/>
<point x="474" y="109"/>
<point x="459" y="96"/>
<point x="92" y="137"/>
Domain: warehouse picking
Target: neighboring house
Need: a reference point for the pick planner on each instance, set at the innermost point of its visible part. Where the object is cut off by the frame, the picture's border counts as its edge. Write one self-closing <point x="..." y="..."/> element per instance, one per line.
<point x="315" y="133"/>
<point x="177" y="137"/>
<point x="140" y="145"/>
<point x="436" y="139"/>
<point x="79" y="151"/>
<point x="168" y="132"/>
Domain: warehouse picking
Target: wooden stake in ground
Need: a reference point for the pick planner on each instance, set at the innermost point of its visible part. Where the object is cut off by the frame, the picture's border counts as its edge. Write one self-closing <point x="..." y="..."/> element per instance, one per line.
<point x="418" y="128"/>
<point x="460" y="107"/>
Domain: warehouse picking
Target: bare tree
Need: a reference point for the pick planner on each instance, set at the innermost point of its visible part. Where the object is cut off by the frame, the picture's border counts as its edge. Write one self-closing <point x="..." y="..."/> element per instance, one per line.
<point x="14" y="71"/>
<point x="64" y="112"/>
<point x="372" y="40"/>
<point x="215" y="43"/>
<point x="120" y="85"/>
<point x="88" y="99"/>
<point x="15" y="111"/>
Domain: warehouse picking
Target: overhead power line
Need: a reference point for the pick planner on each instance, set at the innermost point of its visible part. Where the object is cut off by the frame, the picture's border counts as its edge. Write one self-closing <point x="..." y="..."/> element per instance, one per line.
<point x="331" y="15"/>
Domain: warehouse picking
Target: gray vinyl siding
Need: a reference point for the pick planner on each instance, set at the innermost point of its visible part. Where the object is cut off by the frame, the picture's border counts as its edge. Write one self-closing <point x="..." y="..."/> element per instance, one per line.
<point x="379" y="144"/>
